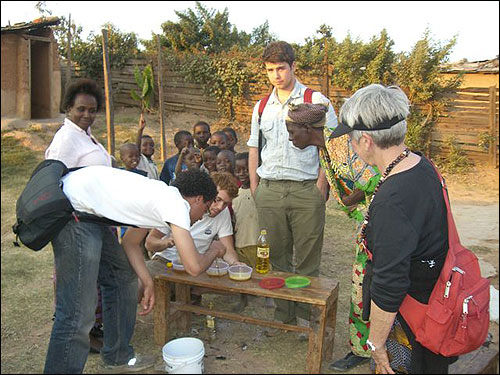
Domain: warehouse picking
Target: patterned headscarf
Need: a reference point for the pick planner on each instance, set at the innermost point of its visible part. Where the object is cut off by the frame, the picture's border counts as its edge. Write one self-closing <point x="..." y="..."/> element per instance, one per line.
<point x="307" y="114"/>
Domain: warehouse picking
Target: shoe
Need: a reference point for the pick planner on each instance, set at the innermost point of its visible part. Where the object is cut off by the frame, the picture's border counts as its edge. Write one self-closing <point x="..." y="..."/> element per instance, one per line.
<point x="303" y="323"/>
<point x="138" y="363"/>
<point x="350" y="361"/>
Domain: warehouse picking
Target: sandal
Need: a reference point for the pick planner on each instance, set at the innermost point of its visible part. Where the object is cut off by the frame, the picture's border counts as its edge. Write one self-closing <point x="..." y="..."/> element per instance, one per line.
<point x="350" y="361"/>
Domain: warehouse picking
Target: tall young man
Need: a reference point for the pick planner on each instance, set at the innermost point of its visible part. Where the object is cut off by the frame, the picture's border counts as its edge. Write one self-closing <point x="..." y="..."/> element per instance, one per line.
<point x="288" y="187"/>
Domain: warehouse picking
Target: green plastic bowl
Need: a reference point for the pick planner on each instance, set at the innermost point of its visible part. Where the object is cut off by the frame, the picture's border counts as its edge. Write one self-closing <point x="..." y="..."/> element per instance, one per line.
<point x="297" y="282"/>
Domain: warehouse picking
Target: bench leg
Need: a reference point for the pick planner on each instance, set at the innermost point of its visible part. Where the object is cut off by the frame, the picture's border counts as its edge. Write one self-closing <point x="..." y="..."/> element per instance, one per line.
<point x="315" y="348"/>
<point x="331" y="321"/>
<point x="183" y="295"/>
<point x="161" y="311"/>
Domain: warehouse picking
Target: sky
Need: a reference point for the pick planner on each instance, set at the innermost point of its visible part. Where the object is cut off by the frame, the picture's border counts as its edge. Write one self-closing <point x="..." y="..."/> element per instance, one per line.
<point x="475" y="23"/>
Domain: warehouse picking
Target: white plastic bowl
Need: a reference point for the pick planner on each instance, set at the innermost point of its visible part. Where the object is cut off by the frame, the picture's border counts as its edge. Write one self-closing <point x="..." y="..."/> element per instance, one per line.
<point x="218" y="268"/>
<point x="240" y="272"/>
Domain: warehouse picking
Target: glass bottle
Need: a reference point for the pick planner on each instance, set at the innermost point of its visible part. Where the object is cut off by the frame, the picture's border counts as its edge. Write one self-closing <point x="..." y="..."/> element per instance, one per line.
<point x="262" y="264"/>
<point x="211" y="324"/>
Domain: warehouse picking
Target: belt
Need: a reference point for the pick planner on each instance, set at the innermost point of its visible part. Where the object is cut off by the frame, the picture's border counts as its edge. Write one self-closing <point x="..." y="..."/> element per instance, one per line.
<point x="287" y="182"/>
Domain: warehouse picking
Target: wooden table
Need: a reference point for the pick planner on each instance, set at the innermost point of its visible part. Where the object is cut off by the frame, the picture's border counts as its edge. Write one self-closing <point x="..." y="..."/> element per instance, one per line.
<point x="322" y="295"/>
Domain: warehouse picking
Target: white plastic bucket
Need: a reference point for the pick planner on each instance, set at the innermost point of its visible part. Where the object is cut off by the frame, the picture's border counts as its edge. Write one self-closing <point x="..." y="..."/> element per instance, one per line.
<point x="184" y="356"/>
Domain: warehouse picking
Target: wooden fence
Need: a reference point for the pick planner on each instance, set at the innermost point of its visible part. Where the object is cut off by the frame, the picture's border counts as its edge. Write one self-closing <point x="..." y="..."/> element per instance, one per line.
<point x="471" y="116"/>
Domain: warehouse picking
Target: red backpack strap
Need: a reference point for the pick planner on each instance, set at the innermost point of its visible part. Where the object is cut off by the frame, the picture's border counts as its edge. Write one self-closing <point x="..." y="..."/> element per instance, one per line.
<point x="453" y="237"/>
<point x="308" y="95"/>
<point x="262" y="105"/>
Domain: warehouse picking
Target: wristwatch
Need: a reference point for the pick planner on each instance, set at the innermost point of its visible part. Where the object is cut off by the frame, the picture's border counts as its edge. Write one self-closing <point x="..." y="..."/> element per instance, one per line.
<point x="371" y="346"/>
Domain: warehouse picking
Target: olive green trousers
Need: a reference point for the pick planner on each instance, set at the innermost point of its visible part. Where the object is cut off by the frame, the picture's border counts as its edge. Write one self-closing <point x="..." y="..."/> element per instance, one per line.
<point x="293" y="213"/>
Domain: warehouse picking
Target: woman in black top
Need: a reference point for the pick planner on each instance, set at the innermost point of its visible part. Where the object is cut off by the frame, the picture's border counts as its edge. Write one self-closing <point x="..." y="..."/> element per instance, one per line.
<point x="405" y="229"/>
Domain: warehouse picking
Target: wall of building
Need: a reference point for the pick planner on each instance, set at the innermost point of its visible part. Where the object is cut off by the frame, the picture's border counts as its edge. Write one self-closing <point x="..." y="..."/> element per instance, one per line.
<point x="9" y="73"/>
<point x="18" y="64"/>
<point x="476" y="79"/>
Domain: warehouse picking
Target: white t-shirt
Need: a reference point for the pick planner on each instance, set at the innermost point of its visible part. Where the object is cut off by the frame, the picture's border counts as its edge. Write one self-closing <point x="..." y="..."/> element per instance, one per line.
<point x="76" y="148"/>
<point x="148" y="166"/>
<point x="126" y="197"/>
<point x="203" y="233"/>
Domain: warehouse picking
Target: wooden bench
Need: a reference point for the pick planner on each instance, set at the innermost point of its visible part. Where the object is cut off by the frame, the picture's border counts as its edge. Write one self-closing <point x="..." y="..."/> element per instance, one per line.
<point x="322" y="295"/>
<point x="481" y="361"/>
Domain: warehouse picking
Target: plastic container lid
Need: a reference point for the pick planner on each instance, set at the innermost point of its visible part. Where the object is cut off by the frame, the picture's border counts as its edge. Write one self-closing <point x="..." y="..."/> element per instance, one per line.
<point x="297" y="282"/>
<point x="272" y="283"/>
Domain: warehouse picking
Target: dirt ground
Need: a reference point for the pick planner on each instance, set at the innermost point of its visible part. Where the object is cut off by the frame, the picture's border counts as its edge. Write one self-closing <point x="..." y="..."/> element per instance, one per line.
<point x="243" y="348"/>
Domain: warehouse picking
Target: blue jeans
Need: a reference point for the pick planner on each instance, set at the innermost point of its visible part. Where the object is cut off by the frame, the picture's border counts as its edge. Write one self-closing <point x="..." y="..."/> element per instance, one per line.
<point x="84" y="254"/>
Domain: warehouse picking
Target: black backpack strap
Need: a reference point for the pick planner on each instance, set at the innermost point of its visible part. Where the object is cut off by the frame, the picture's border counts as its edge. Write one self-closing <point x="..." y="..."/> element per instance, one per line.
<point x="83" y="216"/>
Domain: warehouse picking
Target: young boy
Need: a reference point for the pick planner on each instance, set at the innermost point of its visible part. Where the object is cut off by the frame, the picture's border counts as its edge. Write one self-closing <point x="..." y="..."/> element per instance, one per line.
<point x="225" y="161"/>
<point x="246" y="226"/>
<point x="129" y="155"/>
<point x="190" y="157"/>
<point x="201" y="134"/>
<point x="219" y="139"/>
<point x="146" y="146"/>
<point x="182" y="139"/>
<point x="210" y="159"/>
<point x="247" y="221"/>
<point x="232" y="138"/>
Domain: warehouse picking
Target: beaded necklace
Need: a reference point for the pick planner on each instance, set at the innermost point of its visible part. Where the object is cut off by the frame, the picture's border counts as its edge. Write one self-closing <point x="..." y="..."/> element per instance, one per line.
<point x="362" y="235"/>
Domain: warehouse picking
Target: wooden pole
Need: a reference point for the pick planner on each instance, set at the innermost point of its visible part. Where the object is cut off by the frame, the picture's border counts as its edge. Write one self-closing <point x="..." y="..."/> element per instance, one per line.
<point x="163" y="134"/>
<point x="68" y="56"/>
<point x="493" y="126"/>
<point x="108" y="93"/>
<point x="326" y="89"/>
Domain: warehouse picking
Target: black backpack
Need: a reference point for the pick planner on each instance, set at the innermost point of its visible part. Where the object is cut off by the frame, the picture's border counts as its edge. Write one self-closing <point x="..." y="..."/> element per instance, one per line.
<point x="42" y="210"/>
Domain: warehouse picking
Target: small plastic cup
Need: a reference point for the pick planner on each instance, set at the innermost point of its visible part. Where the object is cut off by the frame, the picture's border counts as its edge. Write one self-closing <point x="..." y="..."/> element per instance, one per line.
<point x="218" y="268"/>
<point x="240" y="272"/>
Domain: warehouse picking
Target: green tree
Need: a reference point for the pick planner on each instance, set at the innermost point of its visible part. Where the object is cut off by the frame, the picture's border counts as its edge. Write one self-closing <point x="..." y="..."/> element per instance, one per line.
<point x="418" y="71"/>
<point x="357" y="64"/>
<point x="88" y="54"/>
<point x="61" y="35"/>
<point x="261" y="36"/>
<point x="203" y="29"/>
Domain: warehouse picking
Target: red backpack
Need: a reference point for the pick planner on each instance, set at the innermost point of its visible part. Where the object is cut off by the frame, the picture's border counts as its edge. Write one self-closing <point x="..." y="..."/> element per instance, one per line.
<point x="456" y="319"/>
<point x="307" y="99"/>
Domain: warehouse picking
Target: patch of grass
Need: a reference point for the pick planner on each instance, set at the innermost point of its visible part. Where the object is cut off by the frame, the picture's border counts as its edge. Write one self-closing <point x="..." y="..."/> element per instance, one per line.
<point x="16" y="159"/>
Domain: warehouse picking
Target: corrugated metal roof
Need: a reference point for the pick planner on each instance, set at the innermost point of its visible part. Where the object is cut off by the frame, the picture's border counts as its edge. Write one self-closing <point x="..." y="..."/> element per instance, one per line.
<point x="484" y="66"/>
<point x="32" y="25"/>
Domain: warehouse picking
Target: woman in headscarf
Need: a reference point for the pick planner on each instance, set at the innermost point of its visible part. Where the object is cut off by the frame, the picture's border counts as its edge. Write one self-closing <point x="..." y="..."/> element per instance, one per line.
<point x="352" y="182"/>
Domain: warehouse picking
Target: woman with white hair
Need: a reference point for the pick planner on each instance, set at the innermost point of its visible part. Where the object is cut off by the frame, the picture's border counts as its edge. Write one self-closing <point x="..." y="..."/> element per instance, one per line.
<point x="405" y="231"/>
